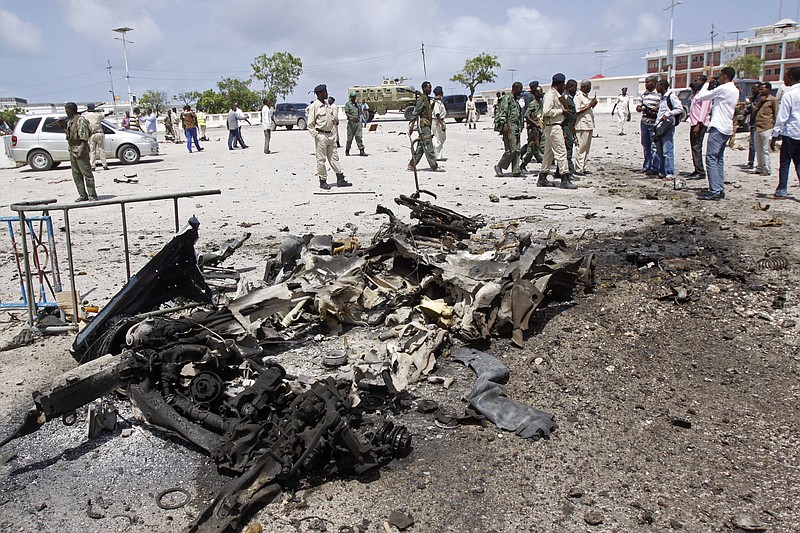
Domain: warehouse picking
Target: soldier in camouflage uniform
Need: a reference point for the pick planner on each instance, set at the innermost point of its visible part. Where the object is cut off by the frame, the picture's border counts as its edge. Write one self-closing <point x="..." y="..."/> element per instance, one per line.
<point x="424" y="113"/>
<point x="510" y="116"/>
<point x="353" y="114"/>
<point x="569" y="127"/>
<point x="78" y="133"/>
<point x="533" y="120"/>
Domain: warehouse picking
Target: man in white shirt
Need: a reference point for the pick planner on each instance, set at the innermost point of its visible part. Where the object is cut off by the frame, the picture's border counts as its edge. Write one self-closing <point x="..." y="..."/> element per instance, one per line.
<point x="787" y="127"/>
<point x="266" y="123"/>
<point x="584" y="126"/>
<point x="622" y="110"/>
<point x="438" y="127"/>
<point x="320" y="126"/>
<point x="472" y="114"/>
<point x="149" y="123"/>
<point x="723" y="96"/>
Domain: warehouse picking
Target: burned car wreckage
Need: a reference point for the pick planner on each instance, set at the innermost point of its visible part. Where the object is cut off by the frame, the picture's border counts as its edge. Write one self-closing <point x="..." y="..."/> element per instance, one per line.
<point x="200" y="374"/>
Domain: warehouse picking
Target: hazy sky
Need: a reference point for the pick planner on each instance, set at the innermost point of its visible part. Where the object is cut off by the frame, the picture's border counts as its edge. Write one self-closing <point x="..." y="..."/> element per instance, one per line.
<point x="53" y="51"/>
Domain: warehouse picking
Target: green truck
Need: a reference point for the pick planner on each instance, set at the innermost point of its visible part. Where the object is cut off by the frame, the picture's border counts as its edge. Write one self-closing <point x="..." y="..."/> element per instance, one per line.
<point x="390" y="95"/>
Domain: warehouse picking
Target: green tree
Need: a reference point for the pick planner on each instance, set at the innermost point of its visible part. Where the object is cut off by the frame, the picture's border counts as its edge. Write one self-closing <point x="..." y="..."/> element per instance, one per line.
<point x="477" y="70"/>
<point x="9" y="116"/>
<point x="158" y="100"/>
<point x="187" y="97"/>
<point x="279" y="73"/>
<point x="212" y="102"/>
<point x="236" y="90"/>
<point x="747" y="66"/>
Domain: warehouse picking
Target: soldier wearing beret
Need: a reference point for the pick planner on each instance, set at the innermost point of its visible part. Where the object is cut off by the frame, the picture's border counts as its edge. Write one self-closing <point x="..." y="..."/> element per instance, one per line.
<point x="353" y="114"/>
<point x="321" y="125"/>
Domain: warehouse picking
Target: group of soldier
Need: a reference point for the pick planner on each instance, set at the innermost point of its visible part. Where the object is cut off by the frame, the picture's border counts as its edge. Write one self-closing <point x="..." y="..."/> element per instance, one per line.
<point x="550" y="118"/>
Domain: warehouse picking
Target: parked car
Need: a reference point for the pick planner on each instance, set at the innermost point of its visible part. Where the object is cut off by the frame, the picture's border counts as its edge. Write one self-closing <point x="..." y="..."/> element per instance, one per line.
<point x="39" y="141"/>
<point x="456" y="106"/>
<point x="290" y="114"/>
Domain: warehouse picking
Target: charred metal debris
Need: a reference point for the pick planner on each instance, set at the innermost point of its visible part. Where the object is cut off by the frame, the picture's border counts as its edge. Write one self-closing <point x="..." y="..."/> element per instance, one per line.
<point x="202" y="375"/>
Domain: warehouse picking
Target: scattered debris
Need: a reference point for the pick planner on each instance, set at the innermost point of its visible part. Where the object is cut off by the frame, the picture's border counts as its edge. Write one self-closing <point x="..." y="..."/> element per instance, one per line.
<point x="681" y="422"/>
<point x="767" y="223"/>
<point x="126" y="180"/>
<point x="494" y="198"/>
<point x="773" y="262"/>
<point x="748" y="522"/>
<point x="401" y="520"/>
<point x="488" y="397"/>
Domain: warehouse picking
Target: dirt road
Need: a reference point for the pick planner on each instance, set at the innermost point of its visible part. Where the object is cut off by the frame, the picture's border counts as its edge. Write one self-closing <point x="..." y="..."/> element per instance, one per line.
<point x="674" y="383"/>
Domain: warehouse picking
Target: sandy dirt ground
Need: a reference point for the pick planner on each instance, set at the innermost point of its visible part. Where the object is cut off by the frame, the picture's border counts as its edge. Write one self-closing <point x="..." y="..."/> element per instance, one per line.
<point x="624" y="368"/>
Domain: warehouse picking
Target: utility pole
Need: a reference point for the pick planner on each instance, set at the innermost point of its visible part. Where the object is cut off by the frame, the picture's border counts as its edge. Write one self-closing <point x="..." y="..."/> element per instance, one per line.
<point x="424" y="67"/>
<point x="737" y="40"/>
<point x="113" y="95"/>
<point x="601" y="54"/>
<point x="711" y="72"/>
<point x="123" y="31"/>
<point x="512" y="71"/>
<point x="671" y="43"/>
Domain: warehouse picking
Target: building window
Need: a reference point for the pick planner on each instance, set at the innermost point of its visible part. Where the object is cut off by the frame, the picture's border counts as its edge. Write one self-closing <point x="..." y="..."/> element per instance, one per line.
<point x="768" y="72"/>
<point x="791" y="47"/>
<point x="777" y="71"/>
<point x="770" y="49"/>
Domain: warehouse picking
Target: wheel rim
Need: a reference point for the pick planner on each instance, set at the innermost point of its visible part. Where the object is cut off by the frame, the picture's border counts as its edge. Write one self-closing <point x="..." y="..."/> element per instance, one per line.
<point x="129" y="155"/>
<point x="39" y="160"/>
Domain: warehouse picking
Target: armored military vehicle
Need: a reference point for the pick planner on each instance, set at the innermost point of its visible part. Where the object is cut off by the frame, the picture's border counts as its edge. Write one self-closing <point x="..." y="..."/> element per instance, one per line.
<point x="390" y="95"/>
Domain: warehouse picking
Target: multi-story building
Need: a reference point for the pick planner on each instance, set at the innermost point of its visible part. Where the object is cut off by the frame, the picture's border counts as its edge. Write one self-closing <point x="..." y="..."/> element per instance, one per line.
<point x="775" y="44"/>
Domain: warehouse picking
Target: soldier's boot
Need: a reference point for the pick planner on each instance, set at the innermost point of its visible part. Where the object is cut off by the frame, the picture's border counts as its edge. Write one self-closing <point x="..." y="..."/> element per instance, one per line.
<point x="347" y="151"/>
<point x="361" y="152"/>
<point x="341" y="182"/>
<point x="323" y="184"/>
<point x="566" y="182"/>
<point x="543" y="181"/>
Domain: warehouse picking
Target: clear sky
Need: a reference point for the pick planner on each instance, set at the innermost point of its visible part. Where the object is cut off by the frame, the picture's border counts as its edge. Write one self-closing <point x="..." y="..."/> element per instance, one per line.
<point x="57" y="50"/>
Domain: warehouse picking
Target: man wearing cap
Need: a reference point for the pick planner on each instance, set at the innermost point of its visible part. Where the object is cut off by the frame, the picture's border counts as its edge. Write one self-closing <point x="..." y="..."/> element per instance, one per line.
<point x="533" y="122"/>
<point x="97" y="141"/>
<point x="554" y="111"/>
<point x="321" y="126"/>
<point x="438" y="129"/>
<point x="353" y="114"/>
<point x="424" y="114"/>
<point x="509" y="115"/>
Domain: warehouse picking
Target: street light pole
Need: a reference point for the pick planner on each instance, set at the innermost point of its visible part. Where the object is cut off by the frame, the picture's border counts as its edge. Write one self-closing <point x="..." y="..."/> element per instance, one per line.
<point x="113" y="94"/>
<point x="601" y="54"/>
<point x="123" y="31"/>
<point x="671" y="43"/>
<point x="512" y="71"/>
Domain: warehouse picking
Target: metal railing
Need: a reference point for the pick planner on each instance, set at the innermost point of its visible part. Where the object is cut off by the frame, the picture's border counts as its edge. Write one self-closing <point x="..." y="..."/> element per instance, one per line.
<point x="51" y="205"/>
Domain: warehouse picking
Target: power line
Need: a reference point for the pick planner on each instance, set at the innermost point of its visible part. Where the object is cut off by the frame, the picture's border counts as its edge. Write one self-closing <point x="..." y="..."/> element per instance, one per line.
<point x="56" y="81"/>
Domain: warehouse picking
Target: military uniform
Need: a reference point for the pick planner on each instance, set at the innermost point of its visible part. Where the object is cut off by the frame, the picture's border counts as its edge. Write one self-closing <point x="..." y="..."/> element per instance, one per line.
<point x="536" y="138"/>
<point x="568" y="128"/>
<point x="554" y="148"/>
<point x="321" y="126"/>
<point x="353" y="114"/>
<point x="78" y="133"/>
<point x="423" y="112"/>
<point x="472" y="114"/>
<point x="98" y="138"/>
<point x="511" y="115"/>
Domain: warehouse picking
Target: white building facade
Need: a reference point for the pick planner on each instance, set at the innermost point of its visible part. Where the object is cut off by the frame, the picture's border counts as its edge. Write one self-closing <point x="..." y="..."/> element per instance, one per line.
<point x="775" y="44"/>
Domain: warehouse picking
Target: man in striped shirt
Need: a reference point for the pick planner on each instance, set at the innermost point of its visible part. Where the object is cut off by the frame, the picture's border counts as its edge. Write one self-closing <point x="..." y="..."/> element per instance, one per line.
<point x="649" y="110"/>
